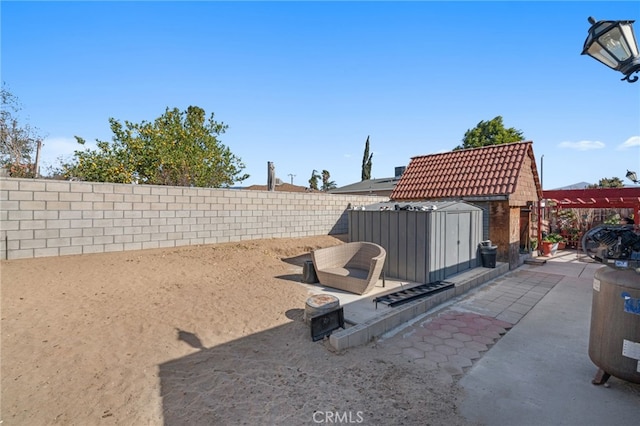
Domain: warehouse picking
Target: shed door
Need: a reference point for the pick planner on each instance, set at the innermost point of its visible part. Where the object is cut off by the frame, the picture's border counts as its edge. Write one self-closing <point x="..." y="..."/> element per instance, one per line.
<point x="451" y="244"/>
<point x="457" y="244"/>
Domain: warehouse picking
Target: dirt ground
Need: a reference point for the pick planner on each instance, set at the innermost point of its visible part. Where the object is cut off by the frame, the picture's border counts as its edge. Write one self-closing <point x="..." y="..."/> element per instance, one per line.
<point x="199" y="335"/>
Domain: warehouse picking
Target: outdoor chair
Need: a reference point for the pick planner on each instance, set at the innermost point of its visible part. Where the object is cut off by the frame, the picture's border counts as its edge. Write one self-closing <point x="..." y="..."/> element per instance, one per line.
<point x="353" y="267"/>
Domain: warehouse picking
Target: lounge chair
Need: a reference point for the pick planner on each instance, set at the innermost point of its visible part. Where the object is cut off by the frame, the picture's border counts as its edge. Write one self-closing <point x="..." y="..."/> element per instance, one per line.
<point x="353" y="267"/>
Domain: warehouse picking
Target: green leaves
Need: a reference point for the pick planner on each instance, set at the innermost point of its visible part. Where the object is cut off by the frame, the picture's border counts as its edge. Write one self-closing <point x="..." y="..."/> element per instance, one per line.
<point x="313" y="181"/>
<point x="490" y="132"/>
<point x="614" y="182"/>
<point x="179" y="148"/>
<point x="326" y="183"/>
<point x="366" y="162"/>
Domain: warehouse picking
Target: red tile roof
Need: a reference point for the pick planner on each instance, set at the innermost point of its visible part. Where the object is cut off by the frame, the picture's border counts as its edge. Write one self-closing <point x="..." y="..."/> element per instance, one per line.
<point x="477" y="172"/>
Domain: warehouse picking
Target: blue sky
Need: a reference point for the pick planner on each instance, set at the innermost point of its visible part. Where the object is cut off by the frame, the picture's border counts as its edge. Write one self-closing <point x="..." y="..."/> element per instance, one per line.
<point x="302" y="84"/>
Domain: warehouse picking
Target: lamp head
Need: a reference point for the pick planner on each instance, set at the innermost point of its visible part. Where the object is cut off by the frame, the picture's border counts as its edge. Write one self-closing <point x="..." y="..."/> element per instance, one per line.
<point x="614" y="44"/>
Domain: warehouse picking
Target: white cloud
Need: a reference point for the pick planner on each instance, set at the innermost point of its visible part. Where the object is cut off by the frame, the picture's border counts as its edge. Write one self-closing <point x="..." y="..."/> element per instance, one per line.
<point x="629" y="143"/>
<point x="582" y="145"/>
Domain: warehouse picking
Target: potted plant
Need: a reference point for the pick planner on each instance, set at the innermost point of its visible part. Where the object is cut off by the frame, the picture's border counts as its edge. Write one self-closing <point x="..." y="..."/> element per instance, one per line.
<point x="550" y="244"/>
<point x="562" y="244"/>
<point x="574" y="236"/>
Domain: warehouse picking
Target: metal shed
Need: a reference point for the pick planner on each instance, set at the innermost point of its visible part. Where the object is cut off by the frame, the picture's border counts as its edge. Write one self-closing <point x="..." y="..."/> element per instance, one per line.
<point x="425" y="241"/>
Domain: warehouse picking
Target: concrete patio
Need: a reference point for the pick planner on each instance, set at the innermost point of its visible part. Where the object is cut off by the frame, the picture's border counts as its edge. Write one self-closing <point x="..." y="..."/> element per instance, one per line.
<point x="518" y="347"/>
<point x="515" y="341"/>
<point x="367" y="320"/>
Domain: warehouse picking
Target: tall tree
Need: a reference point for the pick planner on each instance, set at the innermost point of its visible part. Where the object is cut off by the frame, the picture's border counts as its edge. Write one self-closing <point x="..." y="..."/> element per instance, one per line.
<point x="18" y="141"/>
<point x="180" y="148"/>
<point x="613" y="182"/>
<point x="313" y="180"/>
<point x="490" y="132"/>
<point x="366" y="162"/>
<point x="326" y="183"/>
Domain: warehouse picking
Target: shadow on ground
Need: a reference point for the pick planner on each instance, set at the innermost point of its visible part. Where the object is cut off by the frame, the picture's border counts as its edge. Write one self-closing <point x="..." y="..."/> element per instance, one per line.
<point x="281" y="377"/>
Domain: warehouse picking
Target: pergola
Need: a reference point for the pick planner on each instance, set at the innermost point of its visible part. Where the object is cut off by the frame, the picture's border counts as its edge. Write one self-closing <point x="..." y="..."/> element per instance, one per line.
<point x="596" y="198"/>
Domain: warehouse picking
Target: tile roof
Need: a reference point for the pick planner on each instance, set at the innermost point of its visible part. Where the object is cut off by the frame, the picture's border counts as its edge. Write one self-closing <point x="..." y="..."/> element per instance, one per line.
<point x="477" y="172"/>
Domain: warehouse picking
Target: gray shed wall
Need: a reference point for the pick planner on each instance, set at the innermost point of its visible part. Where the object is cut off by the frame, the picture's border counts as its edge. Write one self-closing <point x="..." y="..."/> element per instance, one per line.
<point x="484" y="205"/>
<point x="422" y="246"/>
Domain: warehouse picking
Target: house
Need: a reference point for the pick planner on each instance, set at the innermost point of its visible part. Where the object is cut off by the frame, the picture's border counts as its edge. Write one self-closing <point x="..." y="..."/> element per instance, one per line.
<point x="381" y="187"/>
<point x="500" y="179"/>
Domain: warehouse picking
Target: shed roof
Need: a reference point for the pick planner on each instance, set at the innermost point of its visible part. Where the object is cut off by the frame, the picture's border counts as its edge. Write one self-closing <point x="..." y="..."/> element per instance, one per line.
<point x="476" y="172"/>
<point x="420" y="206"/>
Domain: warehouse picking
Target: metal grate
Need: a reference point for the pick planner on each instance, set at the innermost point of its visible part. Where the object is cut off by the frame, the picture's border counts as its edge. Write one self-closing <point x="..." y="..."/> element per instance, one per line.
<point x="413" y="293"/>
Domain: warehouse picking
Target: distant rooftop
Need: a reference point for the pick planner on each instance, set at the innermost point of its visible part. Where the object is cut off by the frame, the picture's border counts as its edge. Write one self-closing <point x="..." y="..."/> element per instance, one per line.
<point x="579" y="185"/>
<point x="369" y="185"/>
<point x="284" y="187"/>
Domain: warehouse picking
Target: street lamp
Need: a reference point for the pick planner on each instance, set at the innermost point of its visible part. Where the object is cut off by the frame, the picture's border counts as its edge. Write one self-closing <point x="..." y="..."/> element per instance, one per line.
<point x="614" y="44"/>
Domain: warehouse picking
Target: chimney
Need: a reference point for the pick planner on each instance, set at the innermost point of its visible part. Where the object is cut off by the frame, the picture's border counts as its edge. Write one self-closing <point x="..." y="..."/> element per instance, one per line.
<point x="399" y="171"/>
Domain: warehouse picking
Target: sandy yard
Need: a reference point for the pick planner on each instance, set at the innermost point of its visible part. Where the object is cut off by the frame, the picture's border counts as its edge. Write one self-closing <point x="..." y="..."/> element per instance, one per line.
<point x="200" y="335"/>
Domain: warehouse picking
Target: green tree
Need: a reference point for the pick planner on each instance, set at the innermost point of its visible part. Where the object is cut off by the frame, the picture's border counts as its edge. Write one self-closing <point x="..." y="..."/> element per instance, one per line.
<point x="613" y="182"/>
<point x="326" y="183"/>
<point x="366" y="162"/>
<point x="313" y="181"/>
<point x="180" y="148"/>
<point x="18" y="141"/>
<point x="490" y="132"/>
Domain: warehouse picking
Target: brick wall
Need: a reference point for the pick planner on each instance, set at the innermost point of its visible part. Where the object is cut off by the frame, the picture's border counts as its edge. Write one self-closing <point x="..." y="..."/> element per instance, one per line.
<point x="499" y="232"/>
<point x="525" y="190"/>
<point x="41" y="218"/>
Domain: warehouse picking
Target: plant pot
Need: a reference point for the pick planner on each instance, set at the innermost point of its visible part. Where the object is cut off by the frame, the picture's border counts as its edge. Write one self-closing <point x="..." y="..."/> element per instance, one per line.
<point x="549" y="248"/>
<point x="562" y="245"/>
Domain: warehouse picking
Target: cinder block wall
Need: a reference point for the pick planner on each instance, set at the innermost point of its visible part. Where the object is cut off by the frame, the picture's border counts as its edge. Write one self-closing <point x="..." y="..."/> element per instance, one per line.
<point x="41" y="218"/>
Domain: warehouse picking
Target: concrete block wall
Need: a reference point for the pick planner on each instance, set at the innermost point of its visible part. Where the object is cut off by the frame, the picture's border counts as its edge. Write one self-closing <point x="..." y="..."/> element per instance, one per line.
<point x="41" y="217"/>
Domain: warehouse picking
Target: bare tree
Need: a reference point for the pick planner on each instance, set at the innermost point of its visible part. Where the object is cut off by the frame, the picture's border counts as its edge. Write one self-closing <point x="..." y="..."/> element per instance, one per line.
<point x="18" y="141"/>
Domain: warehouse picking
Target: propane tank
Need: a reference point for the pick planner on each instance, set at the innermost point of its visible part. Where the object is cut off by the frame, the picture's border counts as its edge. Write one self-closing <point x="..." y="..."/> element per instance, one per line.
<point x="614" y="339"/>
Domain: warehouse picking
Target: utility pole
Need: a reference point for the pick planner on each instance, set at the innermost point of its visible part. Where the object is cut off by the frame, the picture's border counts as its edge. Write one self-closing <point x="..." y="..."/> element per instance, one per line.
<point x="36" y="167"/>
<point x="292" y="176"/>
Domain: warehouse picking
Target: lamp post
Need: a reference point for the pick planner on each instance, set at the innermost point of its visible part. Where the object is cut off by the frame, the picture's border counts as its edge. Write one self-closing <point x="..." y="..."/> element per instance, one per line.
<point x="615" y="326"/>
<point x="632" y="177"/>
<point x="614" y="44"/>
